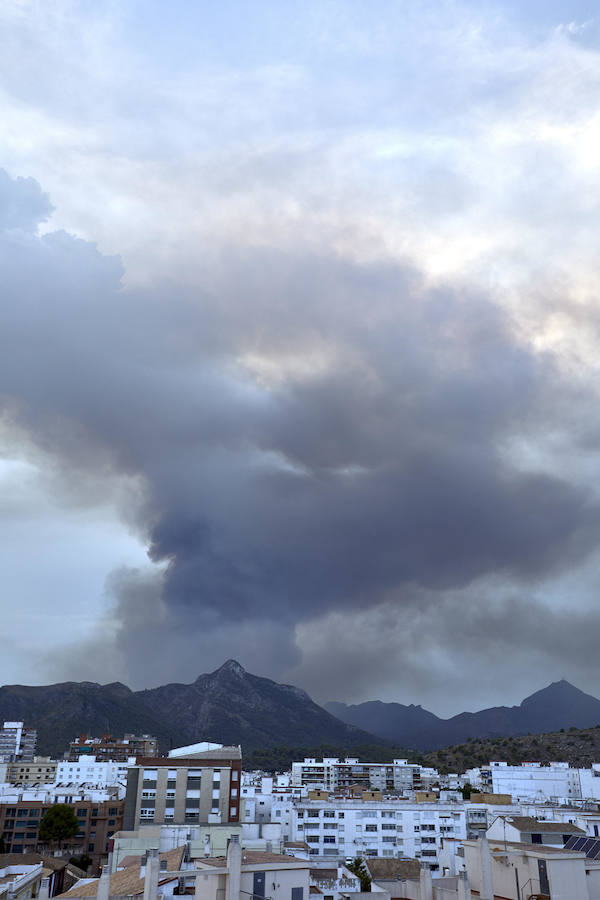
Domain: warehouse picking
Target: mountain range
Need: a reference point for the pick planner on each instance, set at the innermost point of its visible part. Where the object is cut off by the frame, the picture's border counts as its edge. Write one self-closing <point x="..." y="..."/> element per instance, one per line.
<point x="231" y="705"/>
<point x="560" y="705"/>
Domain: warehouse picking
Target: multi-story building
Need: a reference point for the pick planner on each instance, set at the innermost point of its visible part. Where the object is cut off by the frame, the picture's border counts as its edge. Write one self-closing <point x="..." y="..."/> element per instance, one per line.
<point x="333" y="774"/>
<point x="343" y="828"/>
<point x="21" y="814"/>
<point x="89" y="770"/>
<point x="201" y="786"/>
<point x="17" y="743"/>
<point x="41" y="770"/>
<point x="534" y="781"/>
<point x="107" y="748"/>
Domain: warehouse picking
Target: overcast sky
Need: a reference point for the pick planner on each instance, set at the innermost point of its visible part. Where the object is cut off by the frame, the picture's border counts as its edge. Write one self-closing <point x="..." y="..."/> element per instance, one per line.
<point x="299" y="344"/>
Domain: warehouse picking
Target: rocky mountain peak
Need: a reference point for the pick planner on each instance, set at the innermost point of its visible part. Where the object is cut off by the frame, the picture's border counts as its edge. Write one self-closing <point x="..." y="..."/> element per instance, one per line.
<point x="231" y="667"/>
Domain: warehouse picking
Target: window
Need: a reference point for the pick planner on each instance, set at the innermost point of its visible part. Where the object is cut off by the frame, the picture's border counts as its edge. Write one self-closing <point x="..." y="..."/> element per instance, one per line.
<point x="312" y="838"/>
<point x="340" y="815"/>
<point x="234" y="775"/>
<point x="328" y="814"/>
<point x="298" y="893"/>
<point x="111" y="822"/>
<point x="370" y="827"/>
<point x="313" y="813"/>
<point x="329" y="839"/>
<point x="21" y="813"/>
<point x="81" y="813"/>
<point x="91" y="848"/>
<point x="232" y="812"/>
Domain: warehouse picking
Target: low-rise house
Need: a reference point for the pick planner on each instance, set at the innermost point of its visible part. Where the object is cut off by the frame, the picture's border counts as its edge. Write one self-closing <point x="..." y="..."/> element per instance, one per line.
<point x="334" y="881"/>
<point x="528" y="830"/>
<point x="130" y="879"/>
<point x="247" y="873"/>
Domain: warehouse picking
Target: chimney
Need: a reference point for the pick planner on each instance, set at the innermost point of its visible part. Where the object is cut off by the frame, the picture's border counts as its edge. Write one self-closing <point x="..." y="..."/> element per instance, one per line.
<point x="234" y="868"/>
<point x="487" y="885"/>
<point x="463" y="887"/>
<point x="151" y="879"/>
<point x="425" y="885"/>
<point x="104" y="884"/>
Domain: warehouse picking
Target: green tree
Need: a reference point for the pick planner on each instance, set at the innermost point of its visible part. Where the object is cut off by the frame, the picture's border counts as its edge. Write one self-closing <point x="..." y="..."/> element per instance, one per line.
<point x="59" y="824"/>
<point x="358" y="868"/>
<point x="466" y="790"/>
<point x="82" y="862"/>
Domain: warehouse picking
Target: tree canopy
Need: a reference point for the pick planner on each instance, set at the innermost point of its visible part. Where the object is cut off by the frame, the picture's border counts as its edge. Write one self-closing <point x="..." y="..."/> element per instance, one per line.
<point x="59" y="824"/>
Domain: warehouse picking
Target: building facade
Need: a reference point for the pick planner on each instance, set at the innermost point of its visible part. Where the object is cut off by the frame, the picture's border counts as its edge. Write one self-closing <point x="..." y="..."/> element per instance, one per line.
<point x="333" y="774"/>
<point x="98" y="821"/>
<point x="201" y="787"/>
<point x="108" y="748"/>
<point x="41" y="770"/>
<point x="17" y="743"/>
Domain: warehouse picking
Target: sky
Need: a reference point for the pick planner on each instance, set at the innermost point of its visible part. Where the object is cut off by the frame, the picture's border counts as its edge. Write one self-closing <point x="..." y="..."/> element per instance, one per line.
<point x="298" y="344"/>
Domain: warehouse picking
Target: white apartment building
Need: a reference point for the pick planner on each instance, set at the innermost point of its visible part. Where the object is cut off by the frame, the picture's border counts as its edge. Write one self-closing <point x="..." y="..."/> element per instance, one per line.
<point x="333" y="774"/>
<point x="59" y="793"/>
<point x="342" y="829"/>
<point x="533" y="781"/>
<point x="89" y="770"/>
<point x="17" y="742"/>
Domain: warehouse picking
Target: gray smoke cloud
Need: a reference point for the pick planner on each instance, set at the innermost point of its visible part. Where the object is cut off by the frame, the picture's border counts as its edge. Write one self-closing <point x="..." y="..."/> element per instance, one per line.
<point x="311" y="447"/>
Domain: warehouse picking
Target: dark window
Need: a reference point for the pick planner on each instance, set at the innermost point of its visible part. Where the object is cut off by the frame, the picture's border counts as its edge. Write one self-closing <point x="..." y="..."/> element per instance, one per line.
<point x="111" y="821"/>
<point x="31" y="834"/>
<point x="258" y="887"/>
<point x="297" y="893"/>
<point x="11" y="811"/>
<point x="91" y="848"/>
<point x="33" y="813"/>
<point x="94" y="822"/>
<point x="94" y="812"/>
<point x="17" y="848"/>
<point x="112" y="811"/>
<point x="536" y="839"/>
<point x="22" y="812"/>
<point x="81" y="813"/>
<point x="543" y="873"/>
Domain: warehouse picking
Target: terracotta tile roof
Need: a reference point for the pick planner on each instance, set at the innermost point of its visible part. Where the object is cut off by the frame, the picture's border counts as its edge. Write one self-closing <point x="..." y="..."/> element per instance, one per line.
<point x="530" y="825"/>
<point x="32" y="859"/>
<point x="253" y="858"/>
<point x="127" y="882"/>
<point x="392" y="869"/>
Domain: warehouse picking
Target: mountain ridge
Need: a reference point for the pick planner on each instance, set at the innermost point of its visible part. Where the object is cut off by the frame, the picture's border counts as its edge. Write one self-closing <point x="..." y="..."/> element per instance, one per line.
<point x="231" y="705"/>
<point x="228" y="705"/>
<point x="558" y="705"/>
